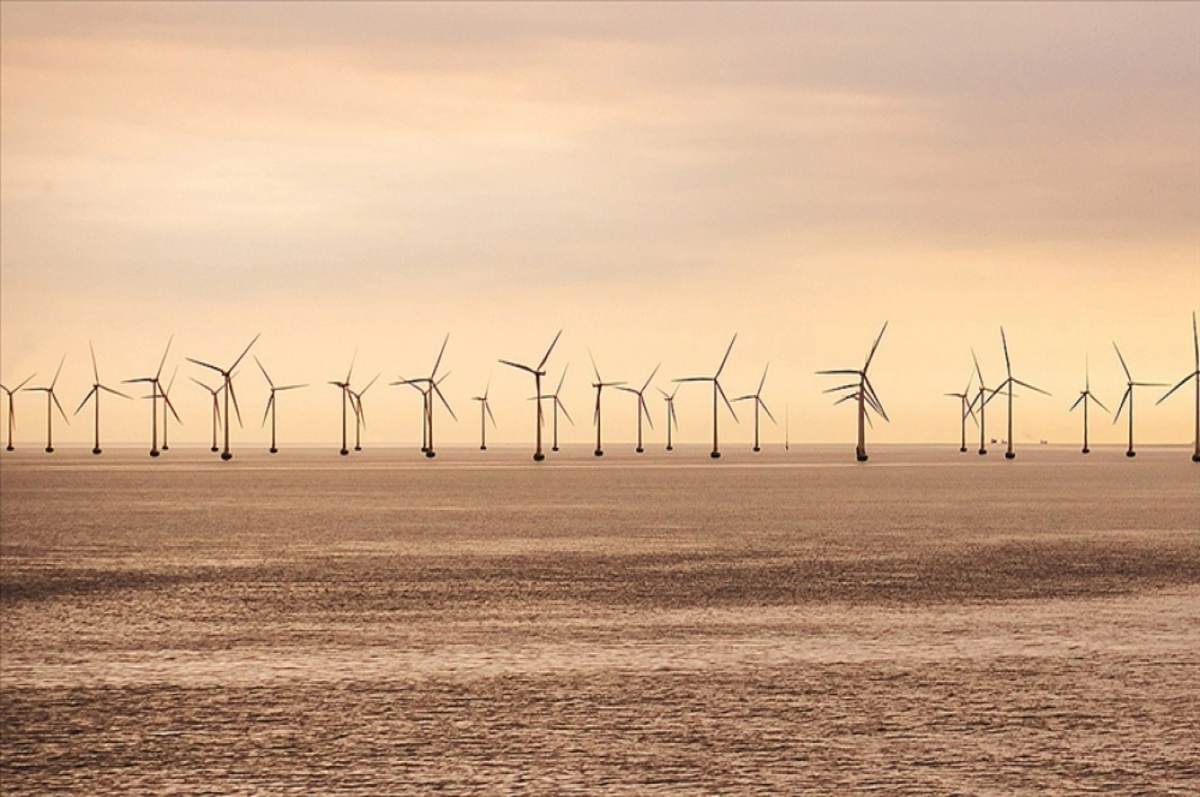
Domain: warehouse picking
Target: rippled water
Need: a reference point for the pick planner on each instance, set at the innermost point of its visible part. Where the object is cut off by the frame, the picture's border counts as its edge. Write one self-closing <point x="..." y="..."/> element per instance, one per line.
<point x="929" y="623"/>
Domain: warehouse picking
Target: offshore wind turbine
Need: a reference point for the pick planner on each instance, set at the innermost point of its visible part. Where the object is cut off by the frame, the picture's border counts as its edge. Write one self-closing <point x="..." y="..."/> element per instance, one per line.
<point x="758" y="402"/>
<point x="1130" y="385"/>
<point x="1009" y="382"/>
<point x="1085" y="396"/>
<point x="95" y="393"/>
<point x="360" y="418"/>
<point x="669" y="398"/>
<point x="538" y="373"/>
<point x="345" y="388"/>
<point x="154" y="392"/>
<point x="216" y="410"/>
<point x="982" y="397"/>
<point x="717" y="391"/>
<point x="965" y="398"/>
<point x="485" y="412"/>
<point x="556" y="402"/>
<point x="270" y="410"/>
<point x="431" y="388"/>
<point x="1193" y="375"/>
<point x="12" y="413"/>
<point x="51" y="403"/>
<point x="167" y="405"/>
<point x="642" y="408"/>
<point x="862" y="392"/>
<point x="227" y="376"/>
<point x="599" y="384"/>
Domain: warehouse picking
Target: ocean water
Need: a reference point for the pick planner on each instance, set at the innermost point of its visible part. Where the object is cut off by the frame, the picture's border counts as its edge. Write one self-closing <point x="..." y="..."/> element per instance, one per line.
<point x="782" y="623"/>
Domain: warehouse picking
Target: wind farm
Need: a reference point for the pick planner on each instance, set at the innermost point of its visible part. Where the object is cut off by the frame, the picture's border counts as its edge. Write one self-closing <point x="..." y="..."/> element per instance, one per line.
<point x="227" y="380"/>
<point x="864" y="394"/>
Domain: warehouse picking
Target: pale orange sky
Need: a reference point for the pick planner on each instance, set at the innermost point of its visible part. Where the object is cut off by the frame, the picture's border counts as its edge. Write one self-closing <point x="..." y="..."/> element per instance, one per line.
<point x="651" y="178"/>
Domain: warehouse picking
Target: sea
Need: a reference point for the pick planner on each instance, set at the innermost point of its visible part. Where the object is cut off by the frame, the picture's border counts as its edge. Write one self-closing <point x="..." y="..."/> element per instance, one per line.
<point x="786" y="622"/>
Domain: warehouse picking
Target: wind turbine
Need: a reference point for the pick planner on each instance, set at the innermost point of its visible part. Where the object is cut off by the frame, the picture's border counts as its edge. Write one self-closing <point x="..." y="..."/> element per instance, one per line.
<point x="982" y="398"/>
<point x="1009" y="382"/>
<point x="599" y="384"/>
<point x="345" y="386"/>
<point x="485" y="412"/>
<point x="864" y="394"/>
<point x="51" y="397"/>
<point x="227" y="376"/>
<point x="360" y="418"/>
<point x="12" y="413"/>
<point x="1130" y="385"/>
<point x="431" y="388"/>
<point x="558" y="405"/>
<point x="965" y="398"/>
<point x="717" y="390"/>
<point x="271" y="401"/>
<point x="216" y="410"/>
<point x="538" y="373"/>
<point x="642" y="408"/>
<point x="167" y="405"/>
<point x="95" y="391"/>
<point x="1085" y="396"/>
<point x="1193" y="375"/>
<point x="669" y="398"/>
<point x="154" y="392"/>
<point x="758" y="402"/>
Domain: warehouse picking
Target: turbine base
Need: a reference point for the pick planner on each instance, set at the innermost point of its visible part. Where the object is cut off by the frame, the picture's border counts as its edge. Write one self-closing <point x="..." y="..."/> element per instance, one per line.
<point x="554" y="448"/>
<point x="1131" y="453"/>
<point x="430" y="454"/>
<point x="1010" y="455"/>
<point x="96" y="450"/>
<point x="715" y="455"/>
<point x="640" y="450"/>
<point x="214" y="449"/>
<point x="983" y="452"/>
<point x="598" y="452"/>
<point x="154" y="452"/>
<point x="273" y="450"/>
<point x="483" y="448"/>
<point x="538" y="457"/>
<point x="962" y="450"/>
<point x="49" y="449"/>
<point x="670" y="448"/>
<point x="343" y="452"/>
<point x="358" y="448"/>
<point x="757" y="449"/>
<point x="9" y="448"/>
<point x="1195" y="457"/>
<point x="225" y="455"/>
<point x="1087" y="450"/>
<point x="861" y="457"/>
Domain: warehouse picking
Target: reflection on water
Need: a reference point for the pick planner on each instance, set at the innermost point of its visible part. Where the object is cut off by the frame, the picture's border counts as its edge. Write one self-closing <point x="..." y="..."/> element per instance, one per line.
<point x="926" y="624"/>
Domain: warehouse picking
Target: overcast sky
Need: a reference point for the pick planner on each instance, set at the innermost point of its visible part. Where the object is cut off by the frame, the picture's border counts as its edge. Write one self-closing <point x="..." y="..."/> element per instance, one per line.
<point x="650" y="178"/>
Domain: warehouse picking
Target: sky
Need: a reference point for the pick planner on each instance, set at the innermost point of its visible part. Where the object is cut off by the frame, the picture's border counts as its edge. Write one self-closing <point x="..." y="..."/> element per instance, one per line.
<point x="360" y="180"/>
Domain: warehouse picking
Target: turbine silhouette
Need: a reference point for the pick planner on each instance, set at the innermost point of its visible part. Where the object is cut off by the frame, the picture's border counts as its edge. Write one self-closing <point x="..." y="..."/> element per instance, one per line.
<point x="216" y="410"/>
<point x="485" y="412"/>
<point x="556" y="402"/>
<point x="94" y="394"/>
<point x="642" y="408"/>
<point x="669" y="398"/>
<point x="717" y="391"/>
<point x="1086" y="396"/>
<point x="1193" y="375"/>
<point x="431" y="388"/>
<point x="167" y="405"/>
<point x="984" y="395"/>
<point x="864" y="394"/>
<point x="12" y="413"/>
<point x="345" y="388"/>
<point x="51" y="403"/>
<point x="154" y="393"/>
<point x="1009" y="382"/>
<point x="1128" y="397"/>
<point x="538" y="373"/>
<point x="360" y="418"/>
<point x="227" y="376"/>
<point x="965" y="398"/>
<point x="599" y="384"/>
<point x="270" y="410"/>
<point x="758" y="402"/>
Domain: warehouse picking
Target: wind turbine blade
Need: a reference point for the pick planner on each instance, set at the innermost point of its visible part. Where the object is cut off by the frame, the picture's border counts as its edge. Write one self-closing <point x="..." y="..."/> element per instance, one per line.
<point x="264" y="372"/>
<point x="649" y="379"/>
<point x="746" y="397"/>
<point x="1007" y="362"/>
<point x="840" y="371"/>
<point x="292" y="387"/>
<point x="244" y="352"/>
<point x="163" y="361"/>
<point x="1098" y="403"/>
<point x="563" y="407"/>
<point x="841" y="387"/>
<point x="977" y="369"/>
<point x="850" y="397"/>
<point x="762" y="381"/>
<point x="1031" y="387"/>
<point x="488" y="408"/>
<point x="170" y="406"/>
<point x="1082" y="396"/>
<point x="54" y="381"/>
<point x="95" y="369"/>
<point x="721" y="390"/>
<point x="874" y="347"/>
<point x="267" y="411"/>
<point x="596" y="414"/>
<point x="542" y="364"/>
<point x="694" y="379"/>
<point x="61" y="411"/>
<point x="1128" y="376"/>
<point x="763" y="404"/>
<point x="18" y="387"/>
<point x="197" y="362"/>
<point x="1128" y="393"/>
<point x="114" y="392"/>
<point x="621" y="387"/>
<point x="672" y="416"/>
<point x="350" y="371"/>
<point x="85" y="399"/>
<point x="725" y="359"/>
<point x="368" y="387"/>
<point x="561" y="379"/>
<point x="1185" y="380"/>
<point x="197" y="381"/>
<point x="438" y="391"/>
<point x="517" y="365"/>
<point x="595" y="369"/>
<point x="665" y="395"/>
<point x="233" y="396"/>
<point x="438" y="361"/>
